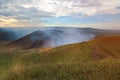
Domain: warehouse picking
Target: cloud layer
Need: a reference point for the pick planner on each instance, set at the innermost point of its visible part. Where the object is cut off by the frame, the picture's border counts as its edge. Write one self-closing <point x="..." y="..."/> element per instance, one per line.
<point x="35" y="10"/>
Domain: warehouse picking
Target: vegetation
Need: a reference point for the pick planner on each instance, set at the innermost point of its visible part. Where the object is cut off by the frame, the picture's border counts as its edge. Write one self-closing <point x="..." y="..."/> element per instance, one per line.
<point x="93" y="60"/>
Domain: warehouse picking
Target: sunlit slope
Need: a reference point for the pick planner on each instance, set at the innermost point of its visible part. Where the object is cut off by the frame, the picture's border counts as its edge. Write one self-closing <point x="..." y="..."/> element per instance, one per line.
<point x="99" y="48"/>
<point x="96" y="49"/>
<point x="103" y="47"/>
<point x="68" y="53"/>
<point x="97" y="59"/>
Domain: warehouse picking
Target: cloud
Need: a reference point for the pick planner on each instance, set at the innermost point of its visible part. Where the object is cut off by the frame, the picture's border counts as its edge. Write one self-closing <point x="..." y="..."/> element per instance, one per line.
<point x="37" y="10"/>
<point x="46" y="8"/>
<point x="12" y="9"/>
<point x="75" y="7"/>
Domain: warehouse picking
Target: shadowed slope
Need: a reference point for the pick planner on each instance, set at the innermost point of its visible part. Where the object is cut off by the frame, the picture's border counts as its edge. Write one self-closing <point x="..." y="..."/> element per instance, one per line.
<point x="33" y="40"/>
<point x="6" y="35"/>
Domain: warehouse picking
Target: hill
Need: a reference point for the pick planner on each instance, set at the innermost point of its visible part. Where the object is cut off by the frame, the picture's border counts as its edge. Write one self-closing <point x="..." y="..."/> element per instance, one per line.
<point x="97" y="59"/>
<point x="17" y="33"/>
<point x="51" y="38"/>
<point x="33" y="40"/>
<point x="55" y="36"/>
<point x="96" y="49"/>
<point x="6" y="35"/>
<point x="105" y="46"/>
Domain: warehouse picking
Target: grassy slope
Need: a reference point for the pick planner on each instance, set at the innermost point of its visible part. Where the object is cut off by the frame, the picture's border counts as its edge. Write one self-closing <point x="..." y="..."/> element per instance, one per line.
<point x="105" y="47"/>
<point x="97" y="59"/>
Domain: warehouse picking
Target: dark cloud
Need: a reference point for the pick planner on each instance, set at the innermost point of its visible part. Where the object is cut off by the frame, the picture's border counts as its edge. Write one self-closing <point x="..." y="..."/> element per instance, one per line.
<point x="13" y="9"/>
<point x="30" y="13"/>
<point x="3" y="2"/>
<point x="22" y="18"/>
<point x="7" y="13"/>
<point x="118" y="7"/>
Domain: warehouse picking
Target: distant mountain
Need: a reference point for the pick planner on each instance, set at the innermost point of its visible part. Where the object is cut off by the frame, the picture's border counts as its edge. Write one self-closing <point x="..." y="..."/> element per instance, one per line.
<point x="33" y="40"/>
<point x="57" y="36"/>
<point x="7" y="35"/>
<point x="102" y="32"/>
<point x="52" y="37"/>
<point x="17" y="33"/>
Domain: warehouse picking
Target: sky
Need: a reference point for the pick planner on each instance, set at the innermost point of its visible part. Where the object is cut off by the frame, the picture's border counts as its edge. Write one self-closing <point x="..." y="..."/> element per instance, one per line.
<point x="103" y="14"/>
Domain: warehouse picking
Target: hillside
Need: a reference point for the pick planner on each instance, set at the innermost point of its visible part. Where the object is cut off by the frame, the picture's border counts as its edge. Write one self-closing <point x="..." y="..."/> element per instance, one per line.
<point x="51" y="38"/>
<point x="13" y="33"/>
<point x="7" y="35"/>
<point x="33" y="40"/>
<point x="96" y="49"/>
<point x="103" y="47"/>
<point x="54" y="36"/>
<point x="97" y="59"/>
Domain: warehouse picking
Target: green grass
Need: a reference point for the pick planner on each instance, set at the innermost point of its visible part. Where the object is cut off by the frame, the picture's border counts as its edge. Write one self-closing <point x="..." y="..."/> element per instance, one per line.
<point x="103" y="70"/>
<point x="69" y="62"/>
